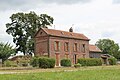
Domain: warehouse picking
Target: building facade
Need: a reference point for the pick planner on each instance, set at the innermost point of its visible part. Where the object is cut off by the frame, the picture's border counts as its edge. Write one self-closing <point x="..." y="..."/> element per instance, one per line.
<point x="94" y="51"/>
<point x="61" y="44"/>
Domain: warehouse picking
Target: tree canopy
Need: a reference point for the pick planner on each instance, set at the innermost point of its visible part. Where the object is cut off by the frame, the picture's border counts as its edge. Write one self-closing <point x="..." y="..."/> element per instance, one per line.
<point x="5" y="51"/>
<point x="109" y="47"/>
<point x="23" y="27"/>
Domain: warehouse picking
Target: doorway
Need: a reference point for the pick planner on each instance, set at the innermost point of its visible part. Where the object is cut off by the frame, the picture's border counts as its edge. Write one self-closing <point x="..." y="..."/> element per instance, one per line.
<point x="75" y="58"/>
<point x="57" y="59"/>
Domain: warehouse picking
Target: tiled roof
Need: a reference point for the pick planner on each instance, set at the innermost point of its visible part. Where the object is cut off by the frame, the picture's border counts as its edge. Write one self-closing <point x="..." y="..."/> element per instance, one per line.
<point x="60" y="33"/>
<point x="93" y="48"/>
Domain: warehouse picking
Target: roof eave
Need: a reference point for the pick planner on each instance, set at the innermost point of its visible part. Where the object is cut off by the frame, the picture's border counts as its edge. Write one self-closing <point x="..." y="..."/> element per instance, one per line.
<point x="69" y="37"/>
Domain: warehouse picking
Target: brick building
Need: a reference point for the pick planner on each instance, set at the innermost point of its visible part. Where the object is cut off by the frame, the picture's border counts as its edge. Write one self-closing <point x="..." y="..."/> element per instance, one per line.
<point x="61" y="44"/>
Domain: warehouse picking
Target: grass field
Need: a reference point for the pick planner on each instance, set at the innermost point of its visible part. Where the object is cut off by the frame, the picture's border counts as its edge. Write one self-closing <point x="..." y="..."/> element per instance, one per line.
<point x="84" y="73"/>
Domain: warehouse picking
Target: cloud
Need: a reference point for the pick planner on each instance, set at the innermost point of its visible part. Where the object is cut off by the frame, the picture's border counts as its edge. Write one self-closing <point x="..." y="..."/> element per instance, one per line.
<point x="66" y="1"/>
<point x="116" y="1"/>
<point x="30" y="4"/>
<point x="107" y="34"/>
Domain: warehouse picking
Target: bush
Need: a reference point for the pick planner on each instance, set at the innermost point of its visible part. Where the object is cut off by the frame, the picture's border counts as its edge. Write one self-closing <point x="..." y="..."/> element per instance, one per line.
<point x="34" y="62"/>
<point x="90" y="62"/>
<point x="51" y="62"/>
<point x="112" y="61"/>
<point x="77" y="65"/>
<point x="65" y="62"/>
<point x="46" y="63"/>
<point x="43" y="62"/>
<point x="9" y="63"/>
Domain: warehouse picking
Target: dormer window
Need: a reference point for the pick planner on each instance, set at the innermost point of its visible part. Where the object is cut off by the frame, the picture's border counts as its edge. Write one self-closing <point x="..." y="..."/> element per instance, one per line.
<point x="40" y="33"/>
<point x="62" y="33"/>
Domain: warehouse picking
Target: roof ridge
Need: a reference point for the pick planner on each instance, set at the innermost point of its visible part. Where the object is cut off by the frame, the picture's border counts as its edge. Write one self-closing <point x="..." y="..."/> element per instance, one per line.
<point x="63" y="31"/>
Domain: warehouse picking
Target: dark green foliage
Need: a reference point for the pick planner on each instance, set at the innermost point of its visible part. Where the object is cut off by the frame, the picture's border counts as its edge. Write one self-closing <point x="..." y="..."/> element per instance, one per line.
<point x="43" y="62"/>
<point x="82" y="61"/>
<point x="46" y="62"/>
<point x="112" y="61"/>
<point x="23" y="27"/>
<point x="65" y="62"/>
<point x="77" y="65"/>
<point x="34" y="62"/>
<point x="51" y="62"/>
<point x="109" y="47"/>
<point x="90" y="62"/>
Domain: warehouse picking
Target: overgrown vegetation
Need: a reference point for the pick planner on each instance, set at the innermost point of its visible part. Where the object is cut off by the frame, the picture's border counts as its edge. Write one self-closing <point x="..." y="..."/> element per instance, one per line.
<point x="9" y="63"/>
<point x="5" y="51"/>
<point x="112" y="61"/>
<point x="90" y="62"/>
<point x="65" y="62"/>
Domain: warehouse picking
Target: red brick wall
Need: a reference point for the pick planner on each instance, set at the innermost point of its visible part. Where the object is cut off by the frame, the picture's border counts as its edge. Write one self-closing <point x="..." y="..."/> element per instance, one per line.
<point x="71" y="53"/>
<point x="41" y="44"/>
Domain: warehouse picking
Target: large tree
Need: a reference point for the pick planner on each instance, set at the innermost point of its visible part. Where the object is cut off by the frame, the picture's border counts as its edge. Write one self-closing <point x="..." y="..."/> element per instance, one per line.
<point x="23" y="27"/>
<point x="109" y="47"/>
<point x="5" y="51"/>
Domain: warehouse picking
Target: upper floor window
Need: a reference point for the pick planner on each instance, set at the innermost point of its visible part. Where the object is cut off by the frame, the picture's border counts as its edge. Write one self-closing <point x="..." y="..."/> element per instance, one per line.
<point x="75" y="46"/>
<point x="83" y="48"/>
<point x="66" y="46"/>
<point x="57" y="45"/>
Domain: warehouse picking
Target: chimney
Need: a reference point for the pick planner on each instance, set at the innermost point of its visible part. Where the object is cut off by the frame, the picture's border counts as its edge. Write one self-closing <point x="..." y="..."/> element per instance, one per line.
<point x="71" y="29"/>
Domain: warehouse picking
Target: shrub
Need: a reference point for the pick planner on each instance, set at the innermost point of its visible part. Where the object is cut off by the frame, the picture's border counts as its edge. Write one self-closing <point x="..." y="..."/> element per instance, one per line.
<point x="34" y="62"/>
<point x="46" y="62"/>
<point x="90" y="62"/>
<point x="9" y="63"/>
<point x="51" y="62"/>
<point x="65" y="62"/>
<point x="77" y="65"/>
<point x="112" y="61"/>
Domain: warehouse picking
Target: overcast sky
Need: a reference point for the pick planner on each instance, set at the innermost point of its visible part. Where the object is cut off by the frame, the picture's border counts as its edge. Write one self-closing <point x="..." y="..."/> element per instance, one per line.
<point x="97" y="19"/>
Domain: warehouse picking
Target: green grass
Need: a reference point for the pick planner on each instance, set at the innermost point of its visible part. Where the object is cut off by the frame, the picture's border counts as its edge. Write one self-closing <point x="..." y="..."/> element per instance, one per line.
<point x="85" y="73"/>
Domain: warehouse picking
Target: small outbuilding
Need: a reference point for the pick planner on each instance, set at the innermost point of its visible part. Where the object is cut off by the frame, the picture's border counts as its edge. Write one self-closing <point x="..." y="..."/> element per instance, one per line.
<point x="94" y="51"/>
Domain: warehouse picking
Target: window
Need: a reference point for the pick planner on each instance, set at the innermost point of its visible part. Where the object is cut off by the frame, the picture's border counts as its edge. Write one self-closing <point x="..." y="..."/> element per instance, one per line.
<point x="66" y="46"/>
<point x="75" y="46"/>
<point x="83" y="48"/>
<point x="57" y="45"/>
<point x="40" y="33"/>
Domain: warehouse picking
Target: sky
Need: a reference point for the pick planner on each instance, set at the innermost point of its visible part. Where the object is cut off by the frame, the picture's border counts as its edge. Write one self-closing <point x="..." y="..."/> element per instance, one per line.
<point x="97" y="19"/>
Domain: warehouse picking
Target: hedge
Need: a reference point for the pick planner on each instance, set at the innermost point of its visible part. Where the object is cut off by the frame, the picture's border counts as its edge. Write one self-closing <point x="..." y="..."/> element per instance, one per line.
<point x="43" y="62"/>
<point x="90" y="62"/>
<point x="65" y="62"/>
<point x="112" y="61"/>
<point x="34" y="62"/>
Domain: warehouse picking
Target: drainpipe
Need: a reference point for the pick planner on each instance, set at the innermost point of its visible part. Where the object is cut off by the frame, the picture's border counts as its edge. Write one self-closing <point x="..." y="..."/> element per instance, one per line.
<point x="48" y="46"/>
